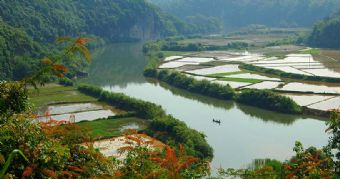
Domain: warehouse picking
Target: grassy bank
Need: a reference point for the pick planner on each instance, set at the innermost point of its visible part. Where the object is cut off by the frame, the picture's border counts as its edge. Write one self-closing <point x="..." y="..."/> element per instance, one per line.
<point x="106" y="128"/>
<point x="54" y="93"/>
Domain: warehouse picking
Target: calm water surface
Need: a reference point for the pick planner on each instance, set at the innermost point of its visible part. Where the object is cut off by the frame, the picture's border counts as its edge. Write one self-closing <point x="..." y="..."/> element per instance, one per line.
<point x="245" y="133"/>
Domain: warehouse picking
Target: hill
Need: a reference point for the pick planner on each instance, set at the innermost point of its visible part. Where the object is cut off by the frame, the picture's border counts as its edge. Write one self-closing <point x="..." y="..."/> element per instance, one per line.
<point x="326" y="33"/>
<point x="233" y="14"/>
<point x="29" y="25"/>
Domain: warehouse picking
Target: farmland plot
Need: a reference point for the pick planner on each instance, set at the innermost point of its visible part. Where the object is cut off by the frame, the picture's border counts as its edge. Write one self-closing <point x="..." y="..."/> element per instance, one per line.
<point x="303" y="87"/>
<point x="264" y="85"/>
<point x="215" y="70"/>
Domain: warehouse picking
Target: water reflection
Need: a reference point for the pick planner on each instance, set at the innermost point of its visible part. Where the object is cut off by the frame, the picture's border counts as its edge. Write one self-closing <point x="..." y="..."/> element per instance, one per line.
<point x="199" y="98"/>
<point x="264" y="115"/>
<point x="117" y="64"/>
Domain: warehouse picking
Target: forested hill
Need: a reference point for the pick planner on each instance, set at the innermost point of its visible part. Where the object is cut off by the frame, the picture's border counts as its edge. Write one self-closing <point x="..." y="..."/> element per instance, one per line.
<point x="326" y="33"/>
<point x="28" y="25"/>
<point x="44" y="20"/>
<point x="239" y="13"/>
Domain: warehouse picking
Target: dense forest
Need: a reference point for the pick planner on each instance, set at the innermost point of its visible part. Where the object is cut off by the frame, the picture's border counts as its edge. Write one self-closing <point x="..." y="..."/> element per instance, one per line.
<point x="326" y="33"/>
<point x="37" y="23"/>
<point x="16" y="50"/>
<point x="113" y="20"/>
<point x="238" y="13"/>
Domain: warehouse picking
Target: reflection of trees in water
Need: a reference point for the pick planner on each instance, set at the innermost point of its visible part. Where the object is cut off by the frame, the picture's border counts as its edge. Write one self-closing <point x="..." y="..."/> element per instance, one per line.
<point x="117" y="64"/>
<point x="264" y="115"/>
<point x="196" y="97"/>
<point x="270" y="116"/>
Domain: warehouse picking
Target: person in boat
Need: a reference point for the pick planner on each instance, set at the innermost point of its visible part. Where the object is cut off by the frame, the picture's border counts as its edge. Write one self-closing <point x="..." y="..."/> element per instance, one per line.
<point x="217" y="121"/>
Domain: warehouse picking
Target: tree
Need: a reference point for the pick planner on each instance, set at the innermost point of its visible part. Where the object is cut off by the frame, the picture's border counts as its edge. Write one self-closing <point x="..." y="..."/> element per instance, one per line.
<point x="334" y="141"/>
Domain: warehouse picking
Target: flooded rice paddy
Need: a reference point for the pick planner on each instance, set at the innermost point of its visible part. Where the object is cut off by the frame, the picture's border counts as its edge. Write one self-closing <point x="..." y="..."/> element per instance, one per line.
<point x="215" y="70"/>
<point x="75" y="112"/>
<point x="265" y="85"/>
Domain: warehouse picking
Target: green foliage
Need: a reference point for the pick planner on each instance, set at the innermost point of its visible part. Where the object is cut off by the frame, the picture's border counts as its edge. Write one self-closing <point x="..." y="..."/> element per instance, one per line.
<point x="51" y="150"/>
<point x="66" y="82"/>
<point x="282" y="74"/>
<point x="268" y="100"/>
<point x="172" y="131"/>
<point x="13" y="98"/>
<point x="9" y="161"/>
<point x="334" y="141"/>
<point x="313" y="51"/>
<point x="310" y="163"/>
<point x="111" y="126"/>
<point x="16" y="52"/>
<point x="112" y="20"/>
<point x="326" y="33"/>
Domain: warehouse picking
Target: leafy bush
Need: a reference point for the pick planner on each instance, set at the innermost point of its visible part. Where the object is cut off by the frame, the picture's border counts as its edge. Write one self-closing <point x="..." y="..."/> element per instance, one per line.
<point x="65" y="82"/>
<point x="13" y="97"/>
<point x="268" y="100"/>
<point x="52" y="151"/>
<point x="326" y="33"/>
<point x="172" y="131"/>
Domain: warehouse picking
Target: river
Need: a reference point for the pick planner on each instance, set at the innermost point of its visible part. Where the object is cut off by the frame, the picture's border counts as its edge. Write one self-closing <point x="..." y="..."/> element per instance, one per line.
<point x="245" y="133"/>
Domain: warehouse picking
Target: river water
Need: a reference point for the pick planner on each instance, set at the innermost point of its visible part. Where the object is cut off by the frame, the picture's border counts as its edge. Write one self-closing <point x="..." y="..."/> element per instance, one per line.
<point x="245" y="133"/>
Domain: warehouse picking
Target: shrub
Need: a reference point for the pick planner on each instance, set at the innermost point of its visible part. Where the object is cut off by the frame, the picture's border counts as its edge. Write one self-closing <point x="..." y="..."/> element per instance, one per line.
<point x="169" y="129"/>
<point x="268" y="100"/>
<point x="13" y="97"/>
<point x="65" y="82"/>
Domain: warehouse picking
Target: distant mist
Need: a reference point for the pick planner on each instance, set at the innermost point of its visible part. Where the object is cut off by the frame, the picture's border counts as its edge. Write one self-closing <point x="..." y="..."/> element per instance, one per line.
<point x="233" y="14"/>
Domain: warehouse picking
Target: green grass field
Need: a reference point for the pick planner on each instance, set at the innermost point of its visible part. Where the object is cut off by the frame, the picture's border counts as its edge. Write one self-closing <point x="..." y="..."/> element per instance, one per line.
<point x="225" y="74"/>
<point x="105" y="128"/>
<point x="242" y="80"/>
<point x="175" y="53"/>
<point x="53" y="93"/>
<point x="214" y="63"/>
<point x="313" y="51"/>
